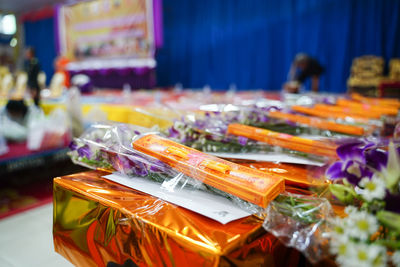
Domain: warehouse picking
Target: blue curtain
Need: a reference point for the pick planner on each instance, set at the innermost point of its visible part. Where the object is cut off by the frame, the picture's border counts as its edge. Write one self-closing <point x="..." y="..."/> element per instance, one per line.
<point x="40" y="35"/>
<point x="252" y="42"/>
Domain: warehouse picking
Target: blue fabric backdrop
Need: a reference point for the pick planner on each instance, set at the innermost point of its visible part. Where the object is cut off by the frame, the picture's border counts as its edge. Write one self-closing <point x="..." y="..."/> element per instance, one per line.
<point x="252" y="42"/>
<point x="41" y="35"/>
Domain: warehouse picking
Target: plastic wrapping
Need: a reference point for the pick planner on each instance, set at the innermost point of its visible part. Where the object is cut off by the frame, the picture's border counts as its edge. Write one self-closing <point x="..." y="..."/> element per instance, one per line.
<point x="74" y="109"/>
<point x="211" y="134"/>
<point x="253" y="186"/>
<point x="298" y="175"/>
<point x="3" y="145"/>
<point x="48" y="132"/>
<point x="97" y="222"/>
<point x="301" y="222"/>
<point x="372" y="114"/>
<point x="294" y="143"/>
<point x="109" y="147"/>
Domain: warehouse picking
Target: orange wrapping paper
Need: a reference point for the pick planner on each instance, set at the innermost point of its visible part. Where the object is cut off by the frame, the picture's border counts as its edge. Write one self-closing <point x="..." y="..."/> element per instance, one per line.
<point x="318" y="123"/>
<point x="288" y="141"/>
<point x="381" y="109"/>
<point x="376" y="101"/>
<point x="97" y="222"/>
<point x="330" y="114"/>
<point x="350" y="111"/>
<point x="295" y="174"/>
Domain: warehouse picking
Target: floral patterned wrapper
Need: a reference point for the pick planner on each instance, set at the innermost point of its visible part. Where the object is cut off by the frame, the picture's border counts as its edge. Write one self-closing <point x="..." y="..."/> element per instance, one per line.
<point x="98" y="222"/>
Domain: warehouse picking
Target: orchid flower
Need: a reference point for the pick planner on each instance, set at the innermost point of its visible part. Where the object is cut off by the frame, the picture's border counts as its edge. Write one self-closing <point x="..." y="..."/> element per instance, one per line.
<point x="352" y="164"/>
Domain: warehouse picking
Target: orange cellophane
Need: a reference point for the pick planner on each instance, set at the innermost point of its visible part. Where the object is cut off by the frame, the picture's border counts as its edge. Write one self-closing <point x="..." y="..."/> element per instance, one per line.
<point x="295" y="174"/>
<point x="97" y="222"/>
<point x="381" y="109"/>
<point x="318" y="123"/>
<point x="350" y="111"/>
<point x="376" y="101"/>
<point x="248" y="184"/>
<point x="329" y="114"/>
<point x="284" y="140"/>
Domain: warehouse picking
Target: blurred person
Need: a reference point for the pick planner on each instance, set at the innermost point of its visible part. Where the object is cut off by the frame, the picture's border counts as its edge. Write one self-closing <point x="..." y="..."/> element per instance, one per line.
<point x="13" y="123"/>
<point x="302" y="68"/>
<point x="15" y="118"/>
<point x="32" y="68"/>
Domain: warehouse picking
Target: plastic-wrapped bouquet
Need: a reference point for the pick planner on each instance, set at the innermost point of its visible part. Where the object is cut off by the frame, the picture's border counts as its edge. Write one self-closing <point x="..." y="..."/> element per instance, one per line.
<point x="210" y="133"/>
<point x="109" y="147"/>
<point x="367" y="178"/>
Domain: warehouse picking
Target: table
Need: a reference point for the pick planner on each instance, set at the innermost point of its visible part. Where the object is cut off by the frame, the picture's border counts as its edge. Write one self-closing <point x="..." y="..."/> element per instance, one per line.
<point x="20" y="158"/>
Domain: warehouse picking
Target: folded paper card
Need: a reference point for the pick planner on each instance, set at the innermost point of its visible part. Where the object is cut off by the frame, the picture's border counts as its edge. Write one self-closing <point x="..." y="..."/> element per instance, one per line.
<point x="207" y="204"/>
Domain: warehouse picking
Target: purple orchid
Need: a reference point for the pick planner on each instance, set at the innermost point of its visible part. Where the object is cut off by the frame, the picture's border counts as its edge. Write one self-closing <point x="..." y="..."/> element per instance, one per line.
<point x="392" y="202"/>
<point x="73" y="145"/>
<point x="130" y="163"/>
<point x="159" y="166"/>
<point x="377" y="159"/>
<point x="141" y="171"/>
<point x="242" y="140"/>
<point x="173" y="133"/>
<point x="200" y="124"/>
<point x="122" y="163"/>
<point x="84" y="151"/>
<point x="354" y="158"/>
<point x="138" y="166"/>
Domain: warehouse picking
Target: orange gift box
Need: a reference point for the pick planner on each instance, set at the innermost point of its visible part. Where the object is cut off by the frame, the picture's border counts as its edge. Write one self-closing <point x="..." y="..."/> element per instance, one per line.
<point x="297" y="175"/>
<point x="98" y="222"/>
<point x="248" y="184"/>
<point x="318" y="123"/>
<point x="377" y="109"/>
<point x="336" y="114"/>
<point x="350" y="111"/>
<point x="376" y="101"/>
<point x="287" y="141"/>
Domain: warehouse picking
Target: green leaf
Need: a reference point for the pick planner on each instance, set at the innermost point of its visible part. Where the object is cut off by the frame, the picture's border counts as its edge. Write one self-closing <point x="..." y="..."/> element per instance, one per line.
<point x="392" y="173"/>
<point x="344" y="193"/>
<point x="389" y="219"/>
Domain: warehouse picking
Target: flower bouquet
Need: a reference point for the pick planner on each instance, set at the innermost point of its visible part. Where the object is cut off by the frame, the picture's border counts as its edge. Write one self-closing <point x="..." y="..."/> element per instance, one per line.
<point x="367" y="179"/>
<point x="366" y="182"/>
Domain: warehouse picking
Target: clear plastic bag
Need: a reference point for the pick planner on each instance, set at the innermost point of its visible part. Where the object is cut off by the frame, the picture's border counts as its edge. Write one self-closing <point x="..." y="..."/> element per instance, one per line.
<point x="211" y="133"/>
<point x="3" y="145"/>
<point x="49" y="132"/>
<point x="301" y="222"/>
<point x="109" y="147"/>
